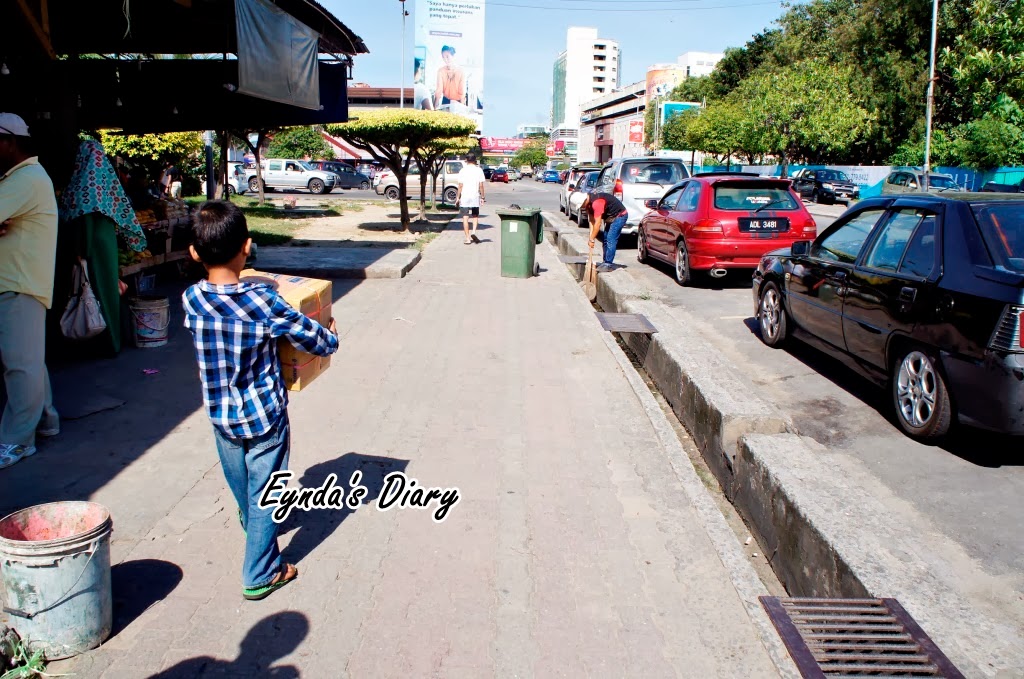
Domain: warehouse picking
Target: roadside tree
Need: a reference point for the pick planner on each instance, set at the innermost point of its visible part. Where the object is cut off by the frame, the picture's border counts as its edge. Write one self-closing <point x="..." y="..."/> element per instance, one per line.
<point x="430" y="158"/>
<point x="533" y="153"/>
<point x="300" y="142"/>
<point x="395" y="136"/>
<point x="152" y="151"/>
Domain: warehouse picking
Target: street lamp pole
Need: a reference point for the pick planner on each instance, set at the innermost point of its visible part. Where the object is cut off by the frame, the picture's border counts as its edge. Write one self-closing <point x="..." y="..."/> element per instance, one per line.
<point x="401" y="93"/>
<point x="931" y="98"/>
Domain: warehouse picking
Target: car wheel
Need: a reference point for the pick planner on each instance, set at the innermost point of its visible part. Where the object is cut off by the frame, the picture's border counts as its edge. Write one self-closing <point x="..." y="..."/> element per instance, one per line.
<point x="364" y="186"/>
<point x="316" y="186"/>
<point x="815" y="196"/>
<point x="682" y="267"/>
<point x="451" y="194"/>
<point x="920" y="396"/>
<point x="641" y="246"/>
<point x="254" y="185"/>
<point x="771" y="314"/>
<point x="391" y="193"/>
<point x="231" y="190"/>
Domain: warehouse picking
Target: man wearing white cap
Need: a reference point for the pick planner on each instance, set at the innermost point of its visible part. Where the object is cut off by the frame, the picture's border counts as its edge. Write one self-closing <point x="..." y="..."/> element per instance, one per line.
<point x="28" y="246"/>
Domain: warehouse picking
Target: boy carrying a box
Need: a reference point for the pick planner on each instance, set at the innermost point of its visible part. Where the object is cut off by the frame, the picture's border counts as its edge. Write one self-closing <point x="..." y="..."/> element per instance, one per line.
<point x="235" y="326"/>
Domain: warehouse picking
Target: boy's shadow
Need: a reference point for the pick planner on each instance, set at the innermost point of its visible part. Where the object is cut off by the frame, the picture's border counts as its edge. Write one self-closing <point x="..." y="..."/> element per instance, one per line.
<point x="272" y="638"/>
<point x="315" y="526"/>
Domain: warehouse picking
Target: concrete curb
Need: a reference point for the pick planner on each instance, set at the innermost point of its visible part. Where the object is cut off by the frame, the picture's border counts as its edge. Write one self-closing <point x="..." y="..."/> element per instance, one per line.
<point x="744" y="578"/>
<point x="836" y="541"/>
<point x="353" y="263"/>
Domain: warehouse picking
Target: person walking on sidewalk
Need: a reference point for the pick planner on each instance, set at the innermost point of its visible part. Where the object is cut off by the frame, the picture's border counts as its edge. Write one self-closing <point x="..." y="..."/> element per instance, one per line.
<point x="28" y="251"/>
<point x="235" y="327"/>
<point x="607" y="210"/>
<point x="471" y="193"/>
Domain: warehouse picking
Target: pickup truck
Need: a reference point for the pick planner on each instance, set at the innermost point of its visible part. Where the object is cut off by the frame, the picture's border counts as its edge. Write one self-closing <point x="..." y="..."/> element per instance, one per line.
<point x="993" y="187"/>
<point x="285" y="173"/>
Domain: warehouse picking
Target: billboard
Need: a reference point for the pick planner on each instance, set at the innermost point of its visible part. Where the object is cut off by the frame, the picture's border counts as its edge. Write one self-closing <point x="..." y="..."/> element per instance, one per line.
<point x="671" y="108"/>
<point x="501" y="144"/>
<point x="636" y="132"/>
<point x="661" y="79"/>
<point x="448" y="59"/>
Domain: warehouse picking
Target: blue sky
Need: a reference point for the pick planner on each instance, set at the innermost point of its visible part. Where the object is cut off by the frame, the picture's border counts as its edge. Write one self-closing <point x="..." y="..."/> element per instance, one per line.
<point x="522" y="42"/>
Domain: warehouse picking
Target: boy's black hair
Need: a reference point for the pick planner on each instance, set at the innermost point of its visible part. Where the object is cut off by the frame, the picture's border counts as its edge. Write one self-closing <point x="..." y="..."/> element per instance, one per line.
<point x="220" y="232"/>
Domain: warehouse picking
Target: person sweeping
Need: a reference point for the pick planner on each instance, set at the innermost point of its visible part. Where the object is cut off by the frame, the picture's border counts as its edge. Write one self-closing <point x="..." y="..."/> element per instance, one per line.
<point x="607" y="210"/>
<point x="235" y="326"/>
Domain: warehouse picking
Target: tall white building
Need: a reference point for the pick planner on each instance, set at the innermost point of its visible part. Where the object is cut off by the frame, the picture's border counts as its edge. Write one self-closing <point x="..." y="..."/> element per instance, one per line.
<point x="588" y="68"/>
<point x="697" y="64"/>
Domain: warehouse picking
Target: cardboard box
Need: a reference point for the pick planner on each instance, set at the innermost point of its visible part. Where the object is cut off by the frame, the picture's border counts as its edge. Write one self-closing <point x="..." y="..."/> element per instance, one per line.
<point x="312" y="298"/>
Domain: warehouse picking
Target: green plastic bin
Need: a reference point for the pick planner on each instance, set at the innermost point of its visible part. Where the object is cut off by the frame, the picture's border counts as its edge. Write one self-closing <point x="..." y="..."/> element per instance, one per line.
<point x="521" y="231"/>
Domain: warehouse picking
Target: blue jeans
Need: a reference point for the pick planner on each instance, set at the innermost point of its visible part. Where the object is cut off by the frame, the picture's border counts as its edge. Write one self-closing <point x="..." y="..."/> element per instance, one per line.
<point x="248" y="465"/>
<point x="610" y="237"/>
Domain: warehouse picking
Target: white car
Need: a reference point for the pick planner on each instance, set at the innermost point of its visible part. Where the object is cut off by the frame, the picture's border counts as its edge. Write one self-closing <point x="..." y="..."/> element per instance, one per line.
<point x="584" y="188"/>
<point x="286" y="173"/>
<point x="386" y="184"/>
<point x="634" y="181"/>
<point x="572" y="178"/>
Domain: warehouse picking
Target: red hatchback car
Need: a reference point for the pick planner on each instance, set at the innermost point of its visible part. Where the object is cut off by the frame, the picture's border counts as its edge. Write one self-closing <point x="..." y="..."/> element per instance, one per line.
<point x="716" y="222"/>
<point x="500" y="175"/>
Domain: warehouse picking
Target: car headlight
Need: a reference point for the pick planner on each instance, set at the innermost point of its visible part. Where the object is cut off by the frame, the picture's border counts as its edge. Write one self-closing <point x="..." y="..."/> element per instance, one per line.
<point x="827" y="186"/>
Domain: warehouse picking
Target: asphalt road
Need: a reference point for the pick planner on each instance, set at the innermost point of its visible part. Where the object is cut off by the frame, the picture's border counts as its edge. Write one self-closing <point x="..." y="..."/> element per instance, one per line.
<point x="971" y="489"/>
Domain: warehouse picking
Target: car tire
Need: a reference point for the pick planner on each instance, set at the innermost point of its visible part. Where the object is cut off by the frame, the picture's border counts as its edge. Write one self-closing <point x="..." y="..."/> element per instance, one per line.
<point x="682" y="264"/>
<point x="771" y="316"/>
<point x="920" y="396"/>
<point x="231" y="190"/>
<point x="364" y="186"/>
<point x="815" y="196"/>
<point x="451" y="194"/>
<point x="391" y="193"/>
<point x="329" y="189"/>
<point x="316" y="186"/>
<point x="254" y="185"/>
<point x="641" y="247"/>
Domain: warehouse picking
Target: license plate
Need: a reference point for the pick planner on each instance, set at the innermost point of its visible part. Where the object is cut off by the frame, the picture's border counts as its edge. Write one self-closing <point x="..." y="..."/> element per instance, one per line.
<point x="769" y="225"/>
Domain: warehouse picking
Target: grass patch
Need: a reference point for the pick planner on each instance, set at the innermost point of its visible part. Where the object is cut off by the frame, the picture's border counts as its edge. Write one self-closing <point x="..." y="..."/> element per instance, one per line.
<point x="424" y="240"/>
<point x="23" y="664"/>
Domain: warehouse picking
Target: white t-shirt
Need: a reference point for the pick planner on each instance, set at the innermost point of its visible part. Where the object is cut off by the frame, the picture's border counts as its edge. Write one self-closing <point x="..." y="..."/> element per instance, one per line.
<point x="471" y="177"/>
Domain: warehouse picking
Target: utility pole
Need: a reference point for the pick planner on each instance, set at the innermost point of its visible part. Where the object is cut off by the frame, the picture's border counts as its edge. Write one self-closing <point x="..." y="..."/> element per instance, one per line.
<point x="931" y="99"/>
<point x="211" y="176"/>
<point x="401" y="93"/>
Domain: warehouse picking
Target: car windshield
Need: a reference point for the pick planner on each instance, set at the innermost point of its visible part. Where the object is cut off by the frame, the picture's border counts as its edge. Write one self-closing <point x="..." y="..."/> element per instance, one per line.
<point x="653" y="172"/>
<point x="753" y="195"/>
<point x="832" y="176"/>
<point x="305" y="165"/>
<point x="1003" y="228"/>
<point x="937" y="181"/>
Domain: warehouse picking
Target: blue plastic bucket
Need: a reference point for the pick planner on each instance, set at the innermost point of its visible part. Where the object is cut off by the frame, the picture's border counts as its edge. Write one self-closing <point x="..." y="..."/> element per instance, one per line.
<point x="55" y="569"/>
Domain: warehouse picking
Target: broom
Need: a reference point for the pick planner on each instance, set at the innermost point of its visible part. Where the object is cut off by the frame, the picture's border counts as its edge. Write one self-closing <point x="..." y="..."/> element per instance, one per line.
<point x="589" y="282"/>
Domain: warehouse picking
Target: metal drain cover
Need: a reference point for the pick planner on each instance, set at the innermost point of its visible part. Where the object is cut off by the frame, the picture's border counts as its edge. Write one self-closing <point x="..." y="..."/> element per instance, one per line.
<point x="856" y="638"/>
<point x="626" y="323"/>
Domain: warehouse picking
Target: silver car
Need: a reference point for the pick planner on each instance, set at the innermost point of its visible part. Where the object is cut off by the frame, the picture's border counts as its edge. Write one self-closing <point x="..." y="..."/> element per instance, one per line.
<point x="909" y="180"/>
<point x="634" y="181"/>
<point x="286" y="173"/>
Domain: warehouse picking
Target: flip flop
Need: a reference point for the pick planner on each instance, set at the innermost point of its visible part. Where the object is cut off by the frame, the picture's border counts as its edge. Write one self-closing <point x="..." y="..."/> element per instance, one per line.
<point x="475" y="239"/>
<point x="257" y="593"/>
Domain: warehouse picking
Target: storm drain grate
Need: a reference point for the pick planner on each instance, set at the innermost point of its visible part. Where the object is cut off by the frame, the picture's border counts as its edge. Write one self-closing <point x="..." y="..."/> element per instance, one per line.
<point x="626" y="323"/>
<point x="852" y="638"/>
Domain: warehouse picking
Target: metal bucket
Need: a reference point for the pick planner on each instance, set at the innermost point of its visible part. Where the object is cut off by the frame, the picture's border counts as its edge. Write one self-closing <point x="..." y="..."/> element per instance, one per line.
<point x="151" y="318"/>
<point x="55" y="569"/>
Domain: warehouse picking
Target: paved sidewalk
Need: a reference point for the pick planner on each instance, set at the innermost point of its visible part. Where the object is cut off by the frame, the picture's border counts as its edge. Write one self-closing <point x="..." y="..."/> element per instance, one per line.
<point x="573" y="550"/>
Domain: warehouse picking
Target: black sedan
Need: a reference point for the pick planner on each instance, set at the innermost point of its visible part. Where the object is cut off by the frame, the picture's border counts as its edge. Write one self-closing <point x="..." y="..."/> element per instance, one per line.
<point x="825" y="186"/>
<point x="923" y="295"/>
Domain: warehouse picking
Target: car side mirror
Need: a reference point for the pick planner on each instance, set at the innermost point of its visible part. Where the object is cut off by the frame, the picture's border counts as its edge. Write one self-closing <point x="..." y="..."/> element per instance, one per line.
<point x="651" y="204"/>
<point x="801" y="248"/>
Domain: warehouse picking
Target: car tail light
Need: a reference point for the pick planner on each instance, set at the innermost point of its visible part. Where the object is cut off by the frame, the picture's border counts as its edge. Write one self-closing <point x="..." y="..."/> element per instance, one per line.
<point x="1007" y="336"/>
<point x="709" y="226"/>
<point x="810" y="227"/>
<point x="617" y="191"/>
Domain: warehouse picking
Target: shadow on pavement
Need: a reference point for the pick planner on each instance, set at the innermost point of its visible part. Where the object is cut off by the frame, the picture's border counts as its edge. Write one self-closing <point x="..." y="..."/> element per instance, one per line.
<point x="316" y="526"/>
<point x="272" y="638"/>
<point x="137" y="585"/>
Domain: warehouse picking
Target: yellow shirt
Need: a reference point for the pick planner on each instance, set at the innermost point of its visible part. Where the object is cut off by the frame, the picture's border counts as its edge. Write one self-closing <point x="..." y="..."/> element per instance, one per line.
<point x="29" y="250"/>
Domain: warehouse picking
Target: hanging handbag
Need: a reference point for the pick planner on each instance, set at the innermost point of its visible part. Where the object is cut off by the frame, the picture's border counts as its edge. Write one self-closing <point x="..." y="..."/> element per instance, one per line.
<point x="82" y="318"/>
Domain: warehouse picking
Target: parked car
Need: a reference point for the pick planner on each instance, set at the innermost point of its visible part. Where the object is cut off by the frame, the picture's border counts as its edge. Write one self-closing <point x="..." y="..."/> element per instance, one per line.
<point x="513" y="174"/>
<point x="584" y="188"/>
<point x="634" y="181"/>
<point x="921" y="294"/>
<point x="367" y="169"/>
<point x="909" y="180"/>
<point x="551" y="177"/>
<point x="572" y="179"/>
<point x="562" y="175"/>
<point x="1003" y="188"/>
<point x="348" y="178"/>
<point x="285" y="173"/>
<point x="526" y="171"/>
<point x="236" y="178"/>
<point x="488" y="171"/>
<point x="447" y="184"/>
<point x="718" y="222"/>
<point x="500" y="174"/>
<point x="825" y="186"/>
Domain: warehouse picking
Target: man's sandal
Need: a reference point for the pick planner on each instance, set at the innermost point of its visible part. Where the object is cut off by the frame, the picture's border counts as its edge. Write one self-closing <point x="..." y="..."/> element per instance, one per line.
<point x="287" y="574"/>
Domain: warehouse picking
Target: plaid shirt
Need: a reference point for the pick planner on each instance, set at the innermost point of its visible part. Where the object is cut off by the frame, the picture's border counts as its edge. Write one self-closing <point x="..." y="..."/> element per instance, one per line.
<point x="235" y="328"/>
